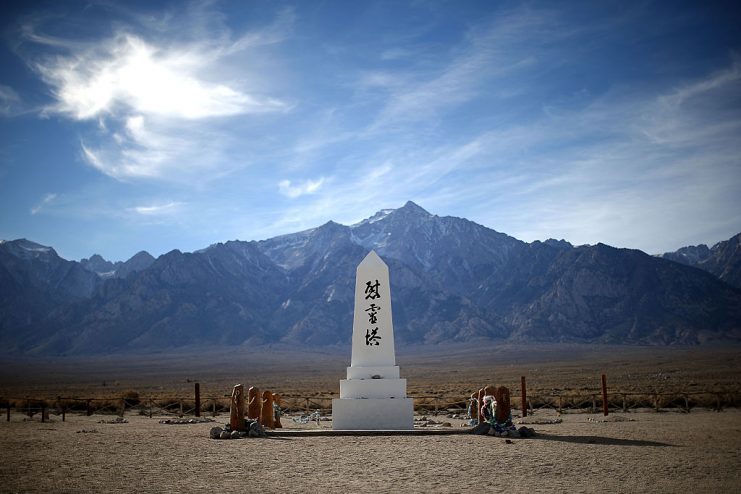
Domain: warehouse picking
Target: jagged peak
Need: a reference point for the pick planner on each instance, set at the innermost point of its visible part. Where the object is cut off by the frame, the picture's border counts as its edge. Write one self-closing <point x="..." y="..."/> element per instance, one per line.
<point x="332" y="224"/>
<point x="376" y="217"/>
<point x="28" y="244"/>
<point x="412" y="207"/>
<point x="559" y="244"/>
<point x="408" y="209"/>
<point x="23" y="247"/>
<point x="142" y="254"/>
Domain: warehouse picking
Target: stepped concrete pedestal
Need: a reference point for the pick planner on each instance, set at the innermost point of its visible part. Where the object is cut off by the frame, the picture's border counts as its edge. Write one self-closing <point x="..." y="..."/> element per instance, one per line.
<point x="373" y="397"/>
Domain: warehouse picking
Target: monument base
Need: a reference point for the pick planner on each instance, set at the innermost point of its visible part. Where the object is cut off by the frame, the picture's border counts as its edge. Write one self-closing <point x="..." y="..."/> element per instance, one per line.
<point x="373" y="414"/>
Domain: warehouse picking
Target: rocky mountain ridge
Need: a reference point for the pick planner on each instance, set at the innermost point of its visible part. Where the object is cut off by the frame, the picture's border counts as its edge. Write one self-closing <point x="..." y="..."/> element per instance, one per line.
<point x="452" y="280"/>
<point x="107" y="269"/>
<point x="723" y="259"/>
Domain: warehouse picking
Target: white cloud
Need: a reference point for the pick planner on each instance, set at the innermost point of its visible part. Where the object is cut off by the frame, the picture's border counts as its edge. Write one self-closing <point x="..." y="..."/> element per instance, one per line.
<point x="162" y="209"/>
<point x="128" y="72"/>
<point x="48" y="199"/>
<point x="307" y="187"/>
<point x="160" y="106"/>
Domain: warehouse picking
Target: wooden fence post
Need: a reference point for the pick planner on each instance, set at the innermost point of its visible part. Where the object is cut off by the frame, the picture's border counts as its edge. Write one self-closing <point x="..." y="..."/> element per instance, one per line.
<point x="523" y="394"/>
<point x="59" y="405"/>
<point x="198" y="400"/>
<point x="150" y="407"/>
<point x="625" y="403"/>
<point x="8" y="410"/>
<point x="605" y="404"/>
<point x="656" y="402"/>
<point x="88" y="409"/>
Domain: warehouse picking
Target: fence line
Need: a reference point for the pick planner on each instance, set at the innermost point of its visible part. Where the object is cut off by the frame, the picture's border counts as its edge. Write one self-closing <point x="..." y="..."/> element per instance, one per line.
<point x="580" y="401"/>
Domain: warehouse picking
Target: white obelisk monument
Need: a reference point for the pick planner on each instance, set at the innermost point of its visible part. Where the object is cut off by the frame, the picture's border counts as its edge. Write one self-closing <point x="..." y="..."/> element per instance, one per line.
<point x="373" y="397"/>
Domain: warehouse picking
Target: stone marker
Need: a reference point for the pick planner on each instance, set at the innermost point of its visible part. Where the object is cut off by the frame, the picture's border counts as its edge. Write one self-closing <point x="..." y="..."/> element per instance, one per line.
<point x="277" y="412"/>
<point x="267" y="412"/>
<point x="373" y="397"/>
<point x="503" y="405"/>
<point x="480" y="397"/>
<point x="473" y="407"/>
<point x="236" y="410"/>
<point x="490" y="390"/>
<point x="254" y="403"/>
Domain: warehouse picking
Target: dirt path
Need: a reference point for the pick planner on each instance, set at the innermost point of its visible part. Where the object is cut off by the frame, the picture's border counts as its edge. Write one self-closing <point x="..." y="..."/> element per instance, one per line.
<point x="635" y="452"/>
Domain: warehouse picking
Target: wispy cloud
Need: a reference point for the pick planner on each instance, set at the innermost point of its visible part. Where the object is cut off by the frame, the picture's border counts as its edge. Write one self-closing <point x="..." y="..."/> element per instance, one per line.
<point x="469" y="69"/>
<point x="693" y="113"/>
<point x="288" y="189"/>
<point x="276" y="32"/>
<point x="48" y="199"/>
<point x="159" y="209"/>
<point x="10" y="101"/>
<point x="726" y="78"/>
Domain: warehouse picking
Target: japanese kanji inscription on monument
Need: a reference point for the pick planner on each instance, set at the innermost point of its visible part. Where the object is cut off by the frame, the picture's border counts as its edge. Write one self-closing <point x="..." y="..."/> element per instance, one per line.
<point x="371" y="292"/>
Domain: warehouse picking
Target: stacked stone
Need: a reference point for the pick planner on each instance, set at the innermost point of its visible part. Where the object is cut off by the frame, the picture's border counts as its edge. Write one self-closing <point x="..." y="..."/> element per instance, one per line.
<point x="261" y="414"/>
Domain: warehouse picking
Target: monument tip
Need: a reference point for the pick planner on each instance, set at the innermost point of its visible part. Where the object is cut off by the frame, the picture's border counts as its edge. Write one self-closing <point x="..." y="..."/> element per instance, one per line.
<point x="372" y="258"/>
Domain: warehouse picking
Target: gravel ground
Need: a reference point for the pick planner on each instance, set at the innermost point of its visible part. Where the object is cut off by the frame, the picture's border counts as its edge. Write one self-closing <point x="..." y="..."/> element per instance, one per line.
<point x="634" y="452"/>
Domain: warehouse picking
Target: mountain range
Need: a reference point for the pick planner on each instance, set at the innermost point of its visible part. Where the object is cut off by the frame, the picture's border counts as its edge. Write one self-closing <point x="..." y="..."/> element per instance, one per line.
<point x="452" y="280"/>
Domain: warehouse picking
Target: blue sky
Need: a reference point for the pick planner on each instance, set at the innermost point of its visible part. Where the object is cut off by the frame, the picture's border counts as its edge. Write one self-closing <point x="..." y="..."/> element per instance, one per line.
<point x="155" y="126"/>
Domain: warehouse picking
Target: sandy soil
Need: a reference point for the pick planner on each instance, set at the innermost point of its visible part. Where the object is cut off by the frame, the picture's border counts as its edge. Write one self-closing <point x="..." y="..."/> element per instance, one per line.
<point x="634" y="452"/>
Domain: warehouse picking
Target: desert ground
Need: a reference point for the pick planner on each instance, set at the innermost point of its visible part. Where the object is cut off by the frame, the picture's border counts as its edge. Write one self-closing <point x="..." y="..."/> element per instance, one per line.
<point x="632" y="452"/>
<point x="577" y="451"/>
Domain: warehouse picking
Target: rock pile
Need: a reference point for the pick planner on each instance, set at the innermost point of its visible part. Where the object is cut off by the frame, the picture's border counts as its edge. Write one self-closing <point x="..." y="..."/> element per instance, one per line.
<point x="252" y="429"/>
<point x="200" y="420"/>
<point x="117" y="420"/>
